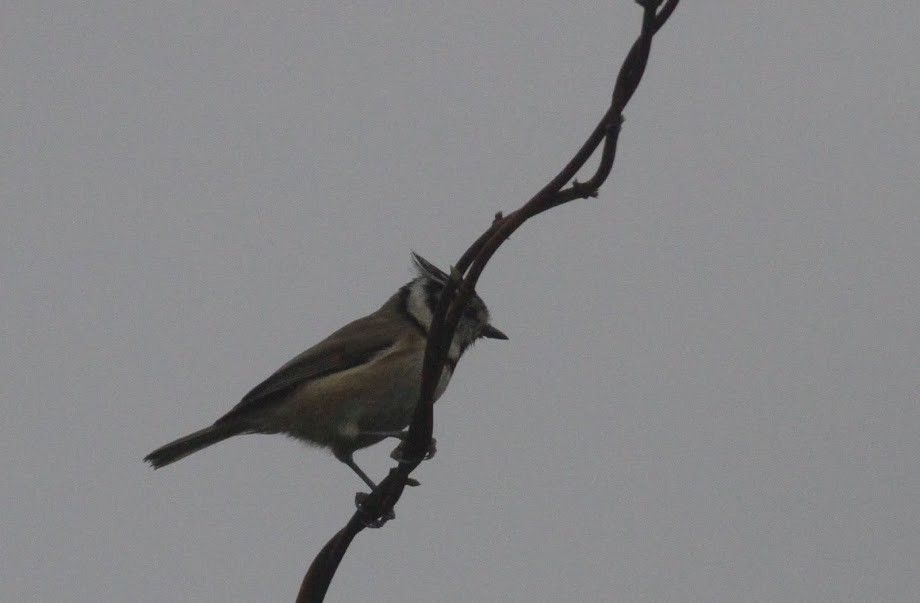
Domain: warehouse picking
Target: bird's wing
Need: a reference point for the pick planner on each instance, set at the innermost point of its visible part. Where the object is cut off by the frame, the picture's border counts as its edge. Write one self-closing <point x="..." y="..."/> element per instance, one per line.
<point x="352" y="345"/>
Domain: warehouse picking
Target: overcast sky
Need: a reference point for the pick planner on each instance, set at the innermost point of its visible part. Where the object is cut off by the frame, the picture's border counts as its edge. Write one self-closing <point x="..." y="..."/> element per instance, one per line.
<point x="711" y="388"/>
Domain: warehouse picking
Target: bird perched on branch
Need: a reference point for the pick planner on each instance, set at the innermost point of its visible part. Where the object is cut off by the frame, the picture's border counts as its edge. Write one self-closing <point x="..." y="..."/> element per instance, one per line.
<point x="356" y="387"/>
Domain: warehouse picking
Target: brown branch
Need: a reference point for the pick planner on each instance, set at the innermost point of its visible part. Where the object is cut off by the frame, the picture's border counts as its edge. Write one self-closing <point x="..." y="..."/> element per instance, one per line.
<point x="378" y="505"/>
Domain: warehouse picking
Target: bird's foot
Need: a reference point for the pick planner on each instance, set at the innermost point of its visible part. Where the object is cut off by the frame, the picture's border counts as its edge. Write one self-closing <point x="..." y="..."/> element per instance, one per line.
<point x="399" y="453"/>
<point x="368" y="519"/>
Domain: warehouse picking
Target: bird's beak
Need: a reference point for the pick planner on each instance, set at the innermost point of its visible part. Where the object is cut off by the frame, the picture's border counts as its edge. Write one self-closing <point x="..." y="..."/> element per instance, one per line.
<point x="492" y="333"/>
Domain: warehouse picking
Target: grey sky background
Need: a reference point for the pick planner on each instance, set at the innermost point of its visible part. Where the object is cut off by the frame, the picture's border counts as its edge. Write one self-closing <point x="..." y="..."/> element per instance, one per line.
<point x="711" y="388"/>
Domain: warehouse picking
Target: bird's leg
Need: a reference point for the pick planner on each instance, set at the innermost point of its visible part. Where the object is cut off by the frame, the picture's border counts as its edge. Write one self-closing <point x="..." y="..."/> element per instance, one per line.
<point x="346" y="457"/>
<point x="360" y="497"/>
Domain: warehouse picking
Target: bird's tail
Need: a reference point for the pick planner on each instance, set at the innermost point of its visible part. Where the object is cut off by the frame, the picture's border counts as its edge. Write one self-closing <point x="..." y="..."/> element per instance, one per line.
<point x="193" y="442"/>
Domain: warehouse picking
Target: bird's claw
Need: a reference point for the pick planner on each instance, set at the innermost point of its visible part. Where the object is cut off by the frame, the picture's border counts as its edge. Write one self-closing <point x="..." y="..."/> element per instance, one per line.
<point x="371" y="522"/>
<point x="399" y="455"/>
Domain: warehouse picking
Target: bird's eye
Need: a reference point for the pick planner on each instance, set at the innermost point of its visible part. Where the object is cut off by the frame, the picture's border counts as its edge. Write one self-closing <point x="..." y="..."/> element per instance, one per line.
<point x="469" y="313"/>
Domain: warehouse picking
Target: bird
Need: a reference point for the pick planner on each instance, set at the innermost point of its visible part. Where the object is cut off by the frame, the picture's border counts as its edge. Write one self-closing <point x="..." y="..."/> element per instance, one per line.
<point x="354" y="388"/>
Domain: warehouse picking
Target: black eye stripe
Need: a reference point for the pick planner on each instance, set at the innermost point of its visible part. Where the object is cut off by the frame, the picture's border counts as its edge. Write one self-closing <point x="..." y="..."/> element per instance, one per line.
<point x="432" y="293"/>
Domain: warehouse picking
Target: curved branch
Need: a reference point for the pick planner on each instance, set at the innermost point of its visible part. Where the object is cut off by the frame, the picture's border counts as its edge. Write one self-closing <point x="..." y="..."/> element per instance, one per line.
<point x="378" y="505"/>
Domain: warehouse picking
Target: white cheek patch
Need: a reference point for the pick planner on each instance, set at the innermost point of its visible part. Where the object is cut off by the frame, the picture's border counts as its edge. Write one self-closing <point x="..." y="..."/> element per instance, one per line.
<point x="417" y="304"/>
